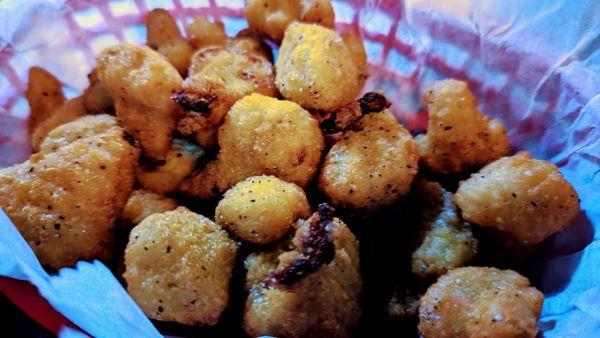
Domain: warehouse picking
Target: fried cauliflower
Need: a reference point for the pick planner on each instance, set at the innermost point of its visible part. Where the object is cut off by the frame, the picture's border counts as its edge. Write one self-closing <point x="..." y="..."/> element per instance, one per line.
<point x="310" y="291"/>
<point x="82" y="127"/>
<point x="261" y="136"/>
<point x="480" y="302"/>
<point x="246" y="42"/>
<point x="142" y="203"/>
<point x="203" y="33"/>
<point x="218" y="78"/>
<point x="141" y="81"/>
<point x="166" y="176"/>
<point x="459" y="137"/>
<point x="357" y="50"/>
<point x="316" y="69"/>
<point x="446" y="242"/>
<point x="65" y="203"/>
<point x="71" y="110"/>
<point x="96" y="99"/>
<point x="526" y="198"/>
<point x="372" y="165"/>
<point x="164" y="36"/>
<point x="261" y="209"/>
<point x="270" y="18"/>
<point x="178" y="267"/>
<point x="44" y="95"/>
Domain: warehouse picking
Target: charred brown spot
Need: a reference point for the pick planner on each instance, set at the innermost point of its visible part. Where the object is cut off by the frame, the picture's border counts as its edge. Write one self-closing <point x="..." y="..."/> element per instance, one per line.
<point x="316" y="249"/>
<point x="302" y="156"/>
<point x="194" y="102"/>
<point x="373" y="103"/>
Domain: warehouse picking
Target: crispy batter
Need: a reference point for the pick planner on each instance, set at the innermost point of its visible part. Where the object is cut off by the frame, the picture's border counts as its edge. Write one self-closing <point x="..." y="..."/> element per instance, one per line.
<point x="261" y="136"/>
<point x="164" y="37"/>
<point x="218" y="78"/>
<point x="271" y="17"/>
<point x="65" y="203"/>
<point x="178" y="266"/>
<point x="323" y="303"/>
<point x="459" y="137"/>
<point x="372" y="165"/>
<point x="44" y="95"/>
<point x="261" y="209"/>
<point x="143" y="203"/>
<point x="521" y="196"/>
<point x="316" y="69"/>
<point x="82" y="127"/>
<point x="357" y="50"/>
<point x="343" y="118"/>
<point x="480" y="302"/>
<point x="71" y="110"/>
<point x="142" y="82"/>
<point x="247" y="42"/>
<point x="96" y="98"/>
<point x="166" y="176"/>
<point x="446" y="241"/>
<point x="203" y="33"/>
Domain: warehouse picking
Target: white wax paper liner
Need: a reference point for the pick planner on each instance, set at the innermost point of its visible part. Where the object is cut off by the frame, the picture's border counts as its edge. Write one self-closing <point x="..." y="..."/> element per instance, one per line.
<point x="534" y="64"/>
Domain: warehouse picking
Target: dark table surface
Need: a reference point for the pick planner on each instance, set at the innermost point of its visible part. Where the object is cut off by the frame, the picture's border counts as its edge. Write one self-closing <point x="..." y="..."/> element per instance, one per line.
<point x="15" y="323"/>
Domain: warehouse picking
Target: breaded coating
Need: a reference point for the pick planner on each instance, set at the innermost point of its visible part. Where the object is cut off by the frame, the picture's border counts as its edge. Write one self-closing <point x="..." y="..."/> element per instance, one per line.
<point x="310" y="291"/>
<point x="316" y="69"/>
<point x="271" y="17"/>
<point x="356" y="47"/>
<point x="164" y="36"/>
<point x="143" y="203"/>
<point x="372" y="165"/>
<point x="342" y="118"/>
<point x="65" y="203"/>
<point x="446" y="241"/>
<point x="44" y="95"/>
<point x="142" y="82"/>
<point x="204" y="33"/>
<point x="178" y="267"/>
<point x="261" y="136"/>
<point x="480" y="302"/>
<point x="96" y="98"/>
<point x="166" y="176"/>
<point x="70" y="111"/>
<point x="247" y="42"/>
<point x="82" y="127"/>
<point x="261" y="209"/>
<point x="526" y="198"/>
<point x="459" y="137"/>
<point x="218" y="78"/>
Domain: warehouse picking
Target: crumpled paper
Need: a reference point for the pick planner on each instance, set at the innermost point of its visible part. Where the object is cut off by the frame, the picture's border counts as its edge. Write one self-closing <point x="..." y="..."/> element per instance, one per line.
<point x="534" y="64"/>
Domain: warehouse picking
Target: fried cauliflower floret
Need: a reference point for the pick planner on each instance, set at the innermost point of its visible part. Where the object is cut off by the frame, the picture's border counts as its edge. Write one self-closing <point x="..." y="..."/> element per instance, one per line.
<point x="204" y="33"/>
<point x="316" y="69"/>
<point x="96" y="99"/>
<point x="521" y="196"/>
<point x="480" y="302"/>
<point x="44" y="95"/>
<point x="310" y="291"/>
<point x="142" y="203"/>
<point x="261" y="209"/>
<point x="165" y="177"/>
<point x="142" y="82"/>
<point x="271" y="17"/>
<point x="164" y="36"/>
<point x="218" y="78"/>
<point x="372" y="165"/>
<point x="446" y="241"/>
<point x="261" y="136"/>
<point x="178" y="267"/>
<point x="65" y="203"/>
<point x="82" y="127"/>
<point x="71" y="110"/>
<point x="459" y="137"/>
<point x="247" y="42"/>
<point x="356" y="47"/>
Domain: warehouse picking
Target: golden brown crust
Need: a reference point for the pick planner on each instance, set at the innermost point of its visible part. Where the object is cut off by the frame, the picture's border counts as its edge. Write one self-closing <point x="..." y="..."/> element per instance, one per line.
<point x="370" y="166"/>
<point x="65" y="203"/>
<point x="526" y="198"/>
<point x="44" y="95"/>
<point x="203" y="33"/>
<point x="164" y="36"/>
<point x="142" y="82"/>
<point x="178" y="267"/>
<point x="80" y="128"/>
<point x="480" y="302"/>
<point x="71" y="110"/>
<point x="459" y="137"/>
<point x="142" y="203"/>
<point x="96" y="98"/>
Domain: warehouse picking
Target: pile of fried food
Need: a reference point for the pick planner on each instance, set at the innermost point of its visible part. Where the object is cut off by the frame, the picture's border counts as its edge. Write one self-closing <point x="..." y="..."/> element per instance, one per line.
<point x="288" y="154"/>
